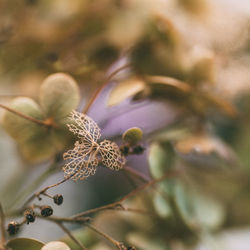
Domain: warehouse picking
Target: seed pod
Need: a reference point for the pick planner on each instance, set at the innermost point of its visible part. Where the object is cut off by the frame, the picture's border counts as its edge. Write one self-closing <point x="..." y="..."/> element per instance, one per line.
<point x="13" y="227"/>
<point x="29" y="215"/>
<point x="124" y="149"/>
<point x="59" y="94"/>
<point x="138" y="150"/>
<point x="58" y="199"/>
<point x="46" y="211"/>
<point x="132" y="136"/>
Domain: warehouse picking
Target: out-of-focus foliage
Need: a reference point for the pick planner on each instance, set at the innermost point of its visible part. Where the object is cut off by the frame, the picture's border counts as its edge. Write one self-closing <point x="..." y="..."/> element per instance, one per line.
<point x="191" y="56"/>
<point x="58" y="95"/>
<point x="25" y="243"/>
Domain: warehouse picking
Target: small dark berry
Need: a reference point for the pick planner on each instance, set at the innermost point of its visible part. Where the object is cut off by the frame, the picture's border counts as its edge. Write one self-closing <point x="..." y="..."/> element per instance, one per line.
<point x="46" y="211"/>
<point x="29" y="215"/>
<point x="124" y="149"/>
<point x="58" y="199"/>
<point x="138" y="150"/>
<point x="13" y="227"/>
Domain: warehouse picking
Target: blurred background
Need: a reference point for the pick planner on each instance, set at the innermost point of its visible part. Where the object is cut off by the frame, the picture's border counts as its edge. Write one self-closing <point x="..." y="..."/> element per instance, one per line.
<point x="182" y="77"/>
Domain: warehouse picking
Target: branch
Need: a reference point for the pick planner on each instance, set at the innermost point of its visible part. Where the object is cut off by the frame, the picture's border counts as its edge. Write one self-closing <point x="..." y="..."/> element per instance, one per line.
<point x="47" y="123"/>
<point x="23" y="194"/>
<point x="71" y="236"/>
<point x="2" y="226"/>
<point x="136" y="173"/>
<point x="37" y="194"/>
<point x="99" y="90"/>
<point x="116" y="243"/>
<point x="116" y="204"/>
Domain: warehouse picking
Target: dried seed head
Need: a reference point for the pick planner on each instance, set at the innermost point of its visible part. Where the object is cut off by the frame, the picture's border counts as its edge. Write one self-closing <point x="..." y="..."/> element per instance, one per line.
<point x="58" y="199"/>
<point x="138" y="150"/>
<point x="46" y="211"/>
<point x="83" y="159"/>
<point x="13" y="227"/>
<point x="124" y="149"/>
<point x="30" y="216"/>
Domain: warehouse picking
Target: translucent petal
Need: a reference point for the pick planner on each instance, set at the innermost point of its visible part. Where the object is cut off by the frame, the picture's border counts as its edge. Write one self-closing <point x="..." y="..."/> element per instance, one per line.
<point x="84" y="127"/>
<point x="111" y="155"/>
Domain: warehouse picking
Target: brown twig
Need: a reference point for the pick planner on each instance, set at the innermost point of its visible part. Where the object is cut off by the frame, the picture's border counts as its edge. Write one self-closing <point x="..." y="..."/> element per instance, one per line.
<point x="71" y="235"/>
<point x="116" y="204"/>
<point x="116" y="243"/>
<point x="144" y="179"/>
<point x="46" y="123"/>
<point x="105" y="82"/>
<point x="80" y="220"/>
<point x="136" y="173"/>
<point x="37" y="194"/>
<point x="129" y="178"/>
<point x="2" y="226"/>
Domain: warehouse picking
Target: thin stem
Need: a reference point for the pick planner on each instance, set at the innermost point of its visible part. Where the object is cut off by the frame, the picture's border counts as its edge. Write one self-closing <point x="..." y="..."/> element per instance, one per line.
<point x="116" y="243"/>
<point x="71" y="235"/>
<point x="37" y="194"/>
<point x="46" y="123"/>
<point x="116" y="204"/>
<point x="81" y="220"/>
<point x="105" y="83"/>
<point x="129" y="178"/>
<point x="135" y="210"/>
<point x="51" y="169"/>
<point x="2" y="226"/>
<point x="144" y="178"/>
<point x="136" y="173"/>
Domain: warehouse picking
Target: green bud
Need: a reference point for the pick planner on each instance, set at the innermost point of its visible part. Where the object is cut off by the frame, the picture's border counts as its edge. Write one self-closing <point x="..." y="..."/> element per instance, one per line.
<point x="18" y="127"/>
<point x="132" y="136"/>
<point x="59" y="95"/>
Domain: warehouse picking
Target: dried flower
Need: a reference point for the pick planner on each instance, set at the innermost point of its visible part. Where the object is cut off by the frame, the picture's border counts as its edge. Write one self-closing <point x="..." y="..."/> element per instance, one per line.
<point x="30" y="216"/>
<point x="58" y="199"/>
<point x="13" y="227"/>
<point x="84" y="158"/>
<point x="46" y="211"/>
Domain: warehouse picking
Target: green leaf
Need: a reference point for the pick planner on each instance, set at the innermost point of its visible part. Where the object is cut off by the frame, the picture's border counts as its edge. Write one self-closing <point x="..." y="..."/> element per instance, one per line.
<point x="55" y="245"/>
<point x="161" y="159"/>
<point x="161" y="205"/>
<point x="209" y="213"/>
<point x="196" y="209"/>
<point x="125" y="90"/>
<point x="59" y="95"/>
<point x="20" y="128"/>
<point x="132" y="136"/>
<point x="25" y="243"/>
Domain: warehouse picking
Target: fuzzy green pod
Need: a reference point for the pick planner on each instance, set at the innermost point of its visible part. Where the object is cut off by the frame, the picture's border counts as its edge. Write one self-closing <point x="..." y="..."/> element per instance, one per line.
<point x="59" y="95"/>
<point x="132" y="136"/>
<point x="18" y="127"/>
